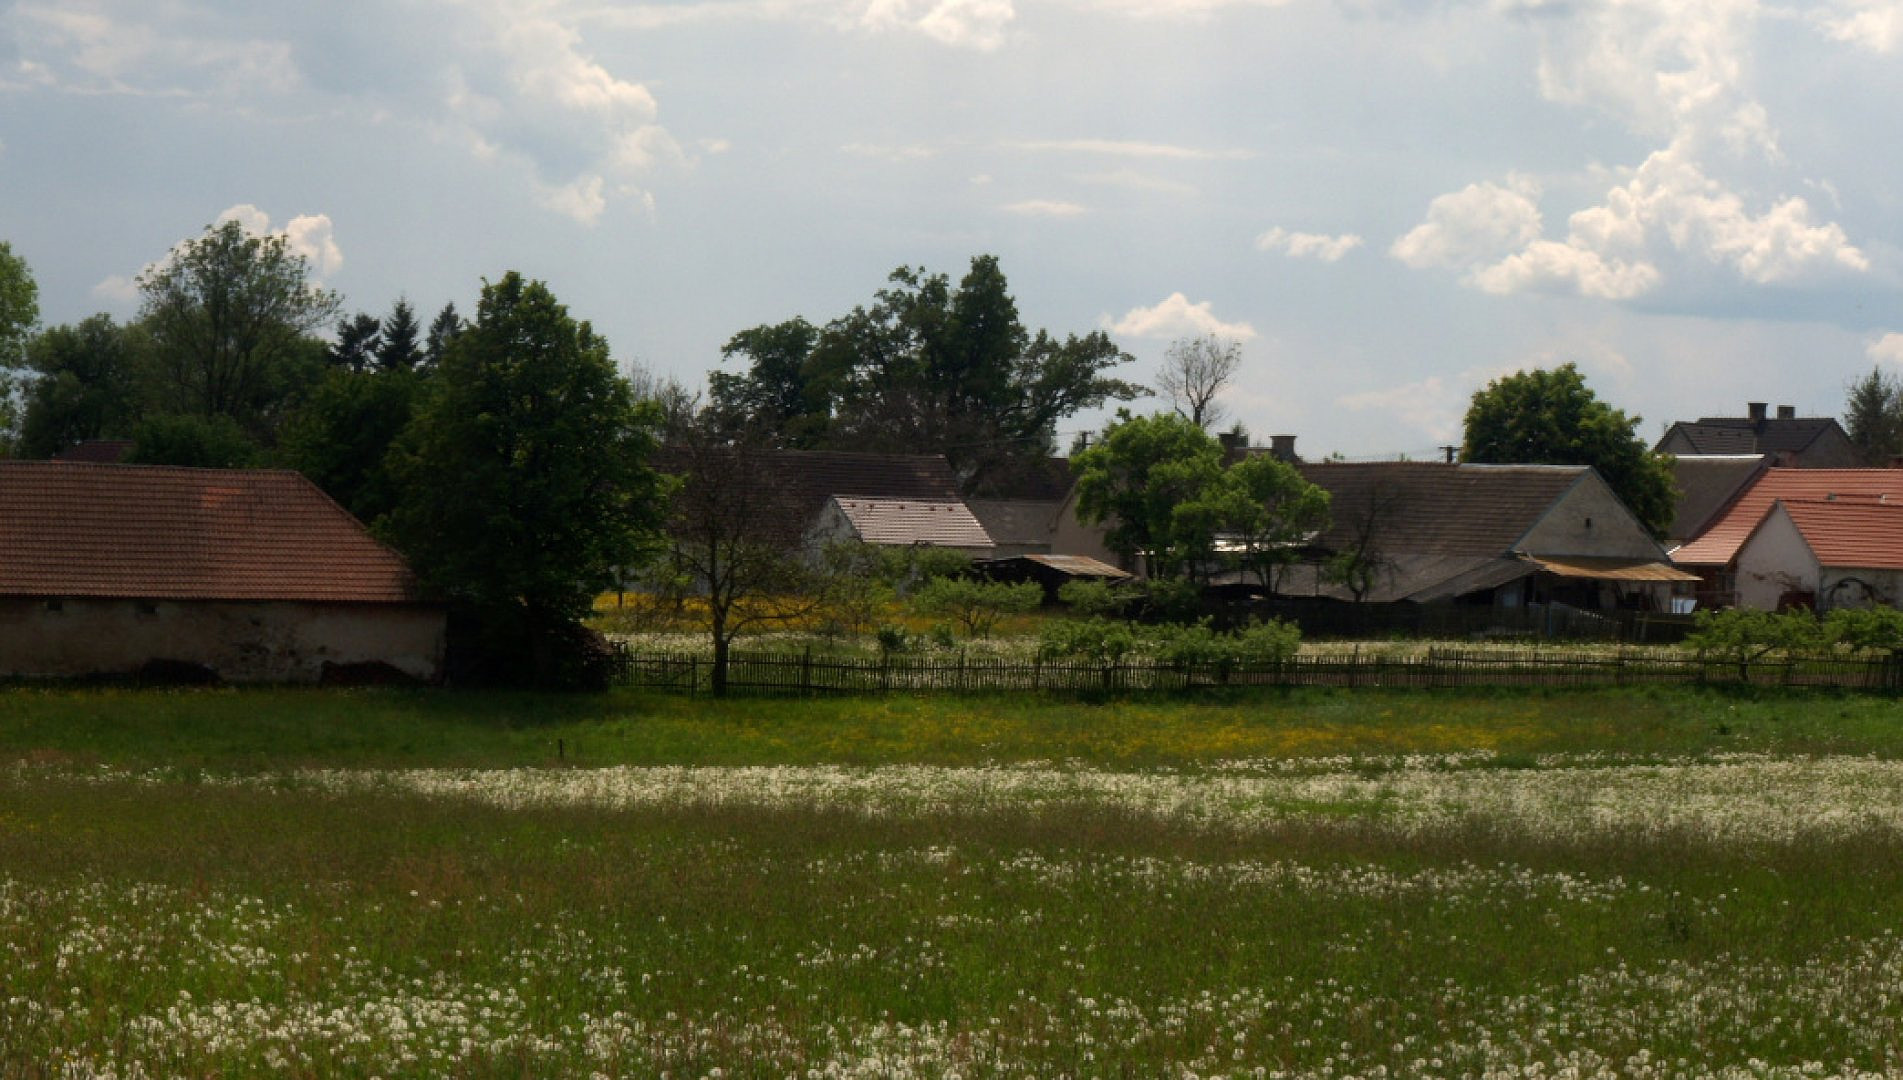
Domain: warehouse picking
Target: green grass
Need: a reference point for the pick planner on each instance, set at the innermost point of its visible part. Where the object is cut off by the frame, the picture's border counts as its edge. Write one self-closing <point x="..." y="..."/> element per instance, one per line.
<point x="173" y="896"/>
<point x="266" y="729"/>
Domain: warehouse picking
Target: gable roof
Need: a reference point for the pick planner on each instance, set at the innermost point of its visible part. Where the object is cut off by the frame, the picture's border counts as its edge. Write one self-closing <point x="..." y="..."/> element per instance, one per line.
<point x="1428" y="508"/>
<point x="935" y="522"/>
<point x="1861" y="534"/>
<point x="1718" y="543"/>
<point x="1016" y="522"/>
<point x="1746" y="435"/>
<point x="74" y="529"/>
<point x="1706" y="482"/>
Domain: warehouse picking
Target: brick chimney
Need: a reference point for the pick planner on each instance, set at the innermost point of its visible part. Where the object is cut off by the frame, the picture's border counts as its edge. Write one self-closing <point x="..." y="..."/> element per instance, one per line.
<point x="1282" y="447"/>
<point x="1755" y="409"/>
<point x="1787" y="412"/>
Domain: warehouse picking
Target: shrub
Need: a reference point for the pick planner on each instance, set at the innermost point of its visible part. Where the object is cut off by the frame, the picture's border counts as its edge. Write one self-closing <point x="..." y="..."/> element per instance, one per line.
<point x="976" y="605"/>
<point x="1091" y="598"/>
<point x="1103" y="641"/>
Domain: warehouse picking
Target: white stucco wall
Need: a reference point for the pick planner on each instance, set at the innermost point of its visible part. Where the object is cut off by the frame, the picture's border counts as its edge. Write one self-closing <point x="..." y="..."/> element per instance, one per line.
<point x="242" y="642"/>
<point x="1773" y="561"/>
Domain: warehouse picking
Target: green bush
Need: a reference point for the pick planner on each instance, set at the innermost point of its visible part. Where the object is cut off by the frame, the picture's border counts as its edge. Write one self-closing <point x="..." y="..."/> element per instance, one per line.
<point x="1092" y="598"/>
<point x="1100" y="640"/>
<point x="976" y="605"/>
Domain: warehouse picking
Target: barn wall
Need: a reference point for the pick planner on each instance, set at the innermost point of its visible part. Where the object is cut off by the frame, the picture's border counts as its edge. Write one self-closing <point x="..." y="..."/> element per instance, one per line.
<point x="242" y="642"/>
<point x="1590" y="520"/>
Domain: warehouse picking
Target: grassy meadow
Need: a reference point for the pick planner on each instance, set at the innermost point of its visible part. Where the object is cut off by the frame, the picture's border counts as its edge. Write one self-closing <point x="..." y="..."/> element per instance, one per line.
<point x="305" y="883"/>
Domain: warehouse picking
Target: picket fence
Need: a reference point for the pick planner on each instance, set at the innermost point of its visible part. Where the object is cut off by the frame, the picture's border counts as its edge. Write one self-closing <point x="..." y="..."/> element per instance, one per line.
<point x="806" y="674"/>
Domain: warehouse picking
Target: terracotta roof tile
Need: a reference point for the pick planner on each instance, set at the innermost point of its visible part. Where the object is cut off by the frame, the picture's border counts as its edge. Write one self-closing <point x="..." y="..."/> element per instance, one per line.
<point x="1861" y="534"/>
<point x="155" y="532"/>
<point x="1718" y="544"/>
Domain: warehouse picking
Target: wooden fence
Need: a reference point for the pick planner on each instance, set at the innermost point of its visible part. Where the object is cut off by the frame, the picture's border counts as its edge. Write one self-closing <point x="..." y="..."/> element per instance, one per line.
<point x="804" y="673"/>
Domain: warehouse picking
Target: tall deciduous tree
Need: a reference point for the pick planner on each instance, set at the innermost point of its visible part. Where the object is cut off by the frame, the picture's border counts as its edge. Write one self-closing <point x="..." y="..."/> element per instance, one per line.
<point x="525" y="477"/>
<point x="230" y="317"/>
<point x="1873" y="416"/>
<point x="83" y="386"/>
<point x="1134" y="480"/>
<point x="1553" y="418"/>
<point x="1195" y="370"/>
<point x="925" y="368"/>
<point x="19" y="306"/>
<point x="733" y="537"/>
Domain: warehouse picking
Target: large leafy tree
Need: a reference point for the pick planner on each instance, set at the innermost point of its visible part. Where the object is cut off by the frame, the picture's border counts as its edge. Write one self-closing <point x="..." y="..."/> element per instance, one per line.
<point x="926" y="367"/>
<point x="1134" y="481"/>
<point x="341" y="434"/>
<point x="19" y="310"/>
<point x="19" y="306"/>
<point x="524" y="480"/>
<point x="1553" y="418"/>
<point x="230" y="317"/>
<point x="84" y="386"/>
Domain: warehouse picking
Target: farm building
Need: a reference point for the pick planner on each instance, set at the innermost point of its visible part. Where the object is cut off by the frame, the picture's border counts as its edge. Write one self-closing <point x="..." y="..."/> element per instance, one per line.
<point x="249" y="575"/>
<point x="1052" y="572"/>
<point x="1792" y="441"/>
<point x="1503" y="535"/>
<point x="899" y="523"/>
<point x="1822" y="554"/>
<point x="1775" y="569"/>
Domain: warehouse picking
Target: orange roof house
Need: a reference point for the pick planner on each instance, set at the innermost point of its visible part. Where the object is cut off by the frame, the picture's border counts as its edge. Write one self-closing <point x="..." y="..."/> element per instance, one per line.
<point x="1823" y="554"/>
<point x="248" y="574"/>
<point x="1714" y="551"/>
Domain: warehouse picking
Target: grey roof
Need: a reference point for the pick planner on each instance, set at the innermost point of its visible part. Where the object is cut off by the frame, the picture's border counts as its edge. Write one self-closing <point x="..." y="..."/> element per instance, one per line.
<point x="1421" y="578"/>
<point x="1017" y="522"/>
<point x="1425" y="508"/>
<point x="1744" y="435"/>
<point x="913" y="521"/>
<point x="1706" y="484"/>
<point x="1074" y="565"/>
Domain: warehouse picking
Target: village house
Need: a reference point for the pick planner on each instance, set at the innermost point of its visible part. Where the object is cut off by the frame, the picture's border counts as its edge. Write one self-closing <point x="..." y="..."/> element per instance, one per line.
<point x="1789" y="555"/>
<point x="1500" y="535"/>
<point x="245" y="575"/>
<point x="1792" y="441"/>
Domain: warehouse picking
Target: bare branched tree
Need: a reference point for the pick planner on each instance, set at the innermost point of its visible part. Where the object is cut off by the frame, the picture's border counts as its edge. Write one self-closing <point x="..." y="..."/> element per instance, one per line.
<point x="1195" y="370"/>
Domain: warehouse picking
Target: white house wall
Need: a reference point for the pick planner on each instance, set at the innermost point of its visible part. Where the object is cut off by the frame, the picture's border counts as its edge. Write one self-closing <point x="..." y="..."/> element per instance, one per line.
<point x="242" y="642"/>
<point x="1773" y="561"/>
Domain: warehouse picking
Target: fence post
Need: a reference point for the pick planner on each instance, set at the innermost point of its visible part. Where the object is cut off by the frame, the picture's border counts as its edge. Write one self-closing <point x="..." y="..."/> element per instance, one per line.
<point x="806" y="671"/>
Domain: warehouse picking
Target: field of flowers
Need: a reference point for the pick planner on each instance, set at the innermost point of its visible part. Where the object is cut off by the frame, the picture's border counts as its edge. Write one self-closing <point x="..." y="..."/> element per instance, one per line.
<point x="1610" y="912"/>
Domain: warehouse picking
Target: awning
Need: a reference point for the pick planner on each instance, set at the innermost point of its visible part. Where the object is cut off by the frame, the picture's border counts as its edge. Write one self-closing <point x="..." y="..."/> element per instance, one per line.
<point x="1602" y="569"/>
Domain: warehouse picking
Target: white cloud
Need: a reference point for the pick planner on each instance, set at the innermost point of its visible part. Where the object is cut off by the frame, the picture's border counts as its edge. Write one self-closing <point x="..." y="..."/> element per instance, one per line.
<point x="973" y="24"/>
<point x="1887" y="349"/>
<point x="1477" y="223"/>
<point x="125" y="49"/>
<point x="523" y="89"/>
<point x="1176" y="317"/>
<point x="1613" y="251"/>
<point x="1301" y="245"/>
<point x="1428" y="406"/>
<point x="117" y="288"/>
<point x="1045" y="208"/>
<point x="1173" y="9"/>
<point x="1128" y="148"/>
<point x="308" y="235"/>
<point x="893" y="151"/>
<point x="1875" y="25"/>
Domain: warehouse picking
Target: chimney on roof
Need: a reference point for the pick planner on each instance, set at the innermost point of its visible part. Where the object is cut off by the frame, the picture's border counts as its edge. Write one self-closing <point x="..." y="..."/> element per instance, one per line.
<point x="1282" y="448"/>
<point x="1787" y="412"/>
<point x="1755" y="409"/>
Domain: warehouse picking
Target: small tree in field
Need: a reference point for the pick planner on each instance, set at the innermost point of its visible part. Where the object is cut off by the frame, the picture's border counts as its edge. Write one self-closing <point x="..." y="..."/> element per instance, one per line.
<point x="1743" y="636"/>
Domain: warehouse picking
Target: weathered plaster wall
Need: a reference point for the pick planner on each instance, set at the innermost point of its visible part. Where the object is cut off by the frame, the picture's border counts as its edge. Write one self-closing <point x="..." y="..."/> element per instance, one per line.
<point x="242" y="642"/>
<point x="1774" y="561"/>
<point x="1842" y="586"/>
<point x="1590" y="520"/>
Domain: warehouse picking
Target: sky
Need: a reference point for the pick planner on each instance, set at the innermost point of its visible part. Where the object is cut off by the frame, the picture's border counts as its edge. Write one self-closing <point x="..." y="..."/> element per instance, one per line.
<point x="1387" y="203"/>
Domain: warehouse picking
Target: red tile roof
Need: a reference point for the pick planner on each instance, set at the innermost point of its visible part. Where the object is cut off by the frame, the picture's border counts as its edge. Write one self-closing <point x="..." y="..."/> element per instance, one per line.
<point x="1718" y="544"/>
<point x="1859" y="534"/>
<point x="72" y="529"/>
